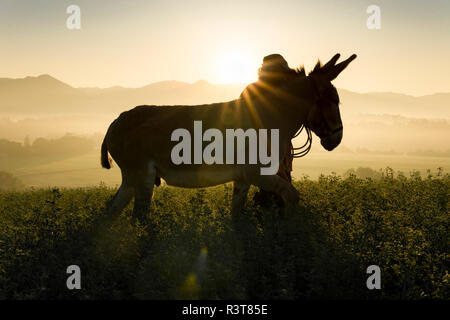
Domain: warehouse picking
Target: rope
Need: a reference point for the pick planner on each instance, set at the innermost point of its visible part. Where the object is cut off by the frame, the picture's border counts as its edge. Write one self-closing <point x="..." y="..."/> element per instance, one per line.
<point x="304" y="149"/>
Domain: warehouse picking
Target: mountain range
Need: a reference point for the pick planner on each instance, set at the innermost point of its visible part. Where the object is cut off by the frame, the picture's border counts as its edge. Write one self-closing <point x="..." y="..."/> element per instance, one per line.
<point x="45" y="95"/>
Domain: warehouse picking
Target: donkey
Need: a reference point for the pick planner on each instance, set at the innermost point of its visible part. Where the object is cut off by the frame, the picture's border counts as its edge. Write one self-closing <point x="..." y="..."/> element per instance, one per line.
<point x="139" y="140"/>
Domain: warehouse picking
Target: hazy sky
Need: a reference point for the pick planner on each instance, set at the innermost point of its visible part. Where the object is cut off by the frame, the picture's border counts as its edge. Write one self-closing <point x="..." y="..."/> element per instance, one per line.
<point x="136" y="42"/>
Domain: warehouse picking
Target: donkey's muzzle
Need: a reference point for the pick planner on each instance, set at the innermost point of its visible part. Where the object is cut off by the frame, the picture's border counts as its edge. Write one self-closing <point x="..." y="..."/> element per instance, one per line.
<point x="332" y="141"/>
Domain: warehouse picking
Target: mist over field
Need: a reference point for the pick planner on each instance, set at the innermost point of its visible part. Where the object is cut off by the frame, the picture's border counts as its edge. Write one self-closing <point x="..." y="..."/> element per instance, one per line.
<point x="50" y="132"/>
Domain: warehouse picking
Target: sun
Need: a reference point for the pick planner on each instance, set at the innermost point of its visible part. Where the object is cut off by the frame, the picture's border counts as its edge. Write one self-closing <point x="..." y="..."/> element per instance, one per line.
<point x="237" y="67"/>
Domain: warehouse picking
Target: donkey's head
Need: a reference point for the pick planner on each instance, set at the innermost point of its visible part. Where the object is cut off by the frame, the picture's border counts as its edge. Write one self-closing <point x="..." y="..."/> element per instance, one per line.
<point x="324" y="118"/>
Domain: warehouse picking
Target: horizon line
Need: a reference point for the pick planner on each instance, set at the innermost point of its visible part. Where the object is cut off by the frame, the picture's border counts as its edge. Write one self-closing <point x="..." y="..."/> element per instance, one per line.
<point x="211" y="83"/>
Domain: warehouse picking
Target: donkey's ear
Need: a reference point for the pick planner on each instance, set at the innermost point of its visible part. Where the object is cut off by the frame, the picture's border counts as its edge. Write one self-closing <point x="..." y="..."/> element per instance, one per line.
<point x="332" y="61"/>
<point x="334" y="71"/>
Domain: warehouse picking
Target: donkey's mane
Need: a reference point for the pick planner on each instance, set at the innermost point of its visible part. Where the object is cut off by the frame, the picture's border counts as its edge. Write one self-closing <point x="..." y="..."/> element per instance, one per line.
<point x="289" y="75"/>
<point x="301" y="72"/>
<point x="317" y="69"/>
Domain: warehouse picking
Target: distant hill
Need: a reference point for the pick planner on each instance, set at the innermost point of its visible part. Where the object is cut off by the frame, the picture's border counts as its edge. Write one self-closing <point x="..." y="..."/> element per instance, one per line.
<point x="44" y="83"/>
<point x="45" y="95"/>
<point x="378" y="103"/>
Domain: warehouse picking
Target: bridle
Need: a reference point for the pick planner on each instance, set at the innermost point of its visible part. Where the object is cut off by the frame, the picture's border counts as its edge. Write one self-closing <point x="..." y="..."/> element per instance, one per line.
<point x="298" y="152"/>
<point x="303" y="150"/>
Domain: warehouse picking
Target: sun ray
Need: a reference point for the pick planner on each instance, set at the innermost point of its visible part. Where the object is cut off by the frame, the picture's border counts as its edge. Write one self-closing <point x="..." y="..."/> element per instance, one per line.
<point x="251" y="107"/>
<point x="280" y="93"/>
<point x="260" y="95"/>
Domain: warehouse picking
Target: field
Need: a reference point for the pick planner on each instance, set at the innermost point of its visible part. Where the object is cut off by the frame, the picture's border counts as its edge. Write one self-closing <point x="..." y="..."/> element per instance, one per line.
<point x="189" y="248"/>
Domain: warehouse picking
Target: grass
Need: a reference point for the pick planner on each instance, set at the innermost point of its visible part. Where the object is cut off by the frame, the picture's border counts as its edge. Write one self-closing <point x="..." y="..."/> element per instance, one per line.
<point x="190" y="249"/>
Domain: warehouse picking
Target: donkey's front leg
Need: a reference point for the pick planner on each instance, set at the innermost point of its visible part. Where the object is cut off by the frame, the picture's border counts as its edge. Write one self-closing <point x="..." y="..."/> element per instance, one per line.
<point x="278" y="185"/>
<point x="240" y="191"/>
<point x="143" y="191"/>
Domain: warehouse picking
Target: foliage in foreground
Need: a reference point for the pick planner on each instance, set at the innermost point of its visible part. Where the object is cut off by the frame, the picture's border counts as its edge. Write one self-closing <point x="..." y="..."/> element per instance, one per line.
<point x="190" y="249"/>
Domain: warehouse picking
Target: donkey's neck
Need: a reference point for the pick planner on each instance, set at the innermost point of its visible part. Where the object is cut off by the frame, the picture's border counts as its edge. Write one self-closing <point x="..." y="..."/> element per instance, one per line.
<point x="296" y="108"/>
<point x="285" y="106"/>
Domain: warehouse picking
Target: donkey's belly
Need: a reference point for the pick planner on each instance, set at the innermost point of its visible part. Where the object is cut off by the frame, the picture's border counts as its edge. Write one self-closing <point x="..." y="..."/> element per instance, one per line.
<point x="198" y="178"/>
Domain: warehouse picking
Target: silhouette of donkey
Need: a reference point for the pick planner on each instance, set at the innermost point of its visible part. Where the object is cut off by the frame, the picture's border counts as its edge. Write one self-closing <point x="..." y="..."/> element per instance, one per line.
<point x="139" y="140"/>
<point x="274" y="70"/>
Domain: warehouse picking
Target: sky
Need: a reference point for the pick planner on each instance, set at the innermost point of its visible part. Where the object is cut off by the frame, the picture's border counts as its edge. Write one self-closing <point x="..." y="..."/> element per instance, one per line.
<point x="133" y="43"/>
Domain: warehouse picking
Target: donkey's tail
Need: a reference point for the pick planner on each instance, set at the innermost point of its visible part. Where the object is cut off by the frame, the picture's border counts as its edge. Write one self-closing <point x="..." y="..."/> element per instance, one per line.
<point x="105" y="159"/>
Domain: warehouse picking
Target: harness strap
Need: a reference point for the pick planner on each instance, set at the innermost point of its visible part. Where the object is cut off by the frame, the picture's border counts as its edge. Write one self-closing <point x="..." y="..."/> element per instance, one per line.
<point x="298" y="152"/>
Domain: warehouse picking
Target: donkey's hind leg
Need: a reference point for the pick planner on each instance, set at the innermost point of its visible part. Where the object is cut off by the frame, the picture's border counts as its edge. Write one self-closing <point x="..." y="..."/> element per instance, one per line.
<point x="143" y="191"/>
<point x="240" y="191"/>
<point x="122" y="197"/>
